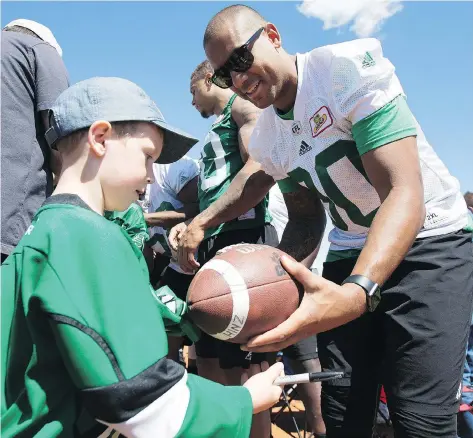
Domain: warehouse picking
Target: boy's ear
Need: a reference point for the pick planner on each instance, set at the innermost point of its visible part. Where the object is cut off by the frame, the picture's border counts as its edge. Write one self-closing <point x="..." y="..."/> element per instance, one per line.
<point x="99" y="132"/>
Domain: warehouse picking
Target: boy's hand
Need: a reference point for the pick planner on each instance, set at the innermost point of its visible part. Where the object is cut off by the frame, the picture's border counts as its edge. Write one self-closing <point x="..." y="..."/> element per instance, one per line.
<point x="263" y="393"/>
<point x="173" y="311"/>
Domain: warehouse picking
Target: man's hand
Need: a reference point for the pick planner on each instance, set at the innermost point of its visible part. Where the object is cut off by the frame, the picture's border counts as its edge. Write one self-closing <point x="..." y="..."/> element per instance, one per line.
<point x="325" y="305"/>
<point x="175" y="235"/>
<point x="189" y="242"/>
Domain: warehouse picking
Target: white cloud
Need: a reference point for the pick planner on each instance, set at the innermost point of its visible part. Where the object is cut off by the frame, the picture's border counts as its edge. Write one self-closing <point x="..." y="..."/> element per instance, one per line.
<point x="367" y="16"/>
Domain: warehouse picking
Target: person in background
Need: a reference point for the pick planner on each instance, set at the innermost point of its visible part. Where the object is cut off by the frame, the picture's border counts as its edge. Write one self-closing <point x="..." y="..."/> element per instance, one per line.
<point x="172" y="199"/>
<point x="33" y="75"/>
<point x="465" y="416"/>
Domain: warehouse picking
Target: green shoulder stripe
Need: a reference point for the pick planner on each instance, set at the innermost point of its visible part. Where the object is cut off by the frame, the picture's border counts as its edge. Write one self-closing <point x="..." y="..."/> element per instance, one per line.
<point x="390" y="123"/>
<point x="288" y="185"/>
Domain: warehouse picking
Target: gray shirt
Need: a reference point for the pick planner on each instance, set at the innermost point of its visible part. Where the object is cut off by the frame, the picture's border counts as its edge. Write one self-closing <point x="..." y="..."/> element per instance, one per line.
<point x="32" y="77"/>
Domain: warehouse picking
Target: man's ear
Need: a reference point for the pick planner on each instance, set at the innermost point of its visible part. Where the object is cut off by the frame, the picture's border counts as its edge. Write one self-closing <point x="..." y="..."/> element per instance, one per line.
<point x="208" y="80"/>
<point x="273" y="35"/>
<point x="99" y="132"/>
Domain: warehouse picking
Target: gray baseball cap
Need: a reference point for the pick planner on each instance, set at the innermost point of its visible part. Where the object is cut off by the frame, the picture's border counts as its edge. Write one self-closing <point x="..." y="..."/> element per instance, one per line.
<point x="113" y="100"/>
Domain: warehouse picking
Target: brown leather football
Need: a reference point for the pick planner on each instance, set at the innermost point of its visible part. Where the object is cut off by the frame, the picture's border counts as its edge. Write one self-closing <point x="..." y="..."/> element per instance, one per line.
<point x="242" y="292"/>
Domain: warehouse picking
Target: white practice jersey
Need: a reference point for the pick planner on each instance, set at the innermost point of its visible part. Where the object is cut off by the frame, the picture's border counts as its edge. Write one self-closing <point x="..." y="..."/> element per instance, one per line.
<point x="169" y="181"/>
<point x="350" y="101"/>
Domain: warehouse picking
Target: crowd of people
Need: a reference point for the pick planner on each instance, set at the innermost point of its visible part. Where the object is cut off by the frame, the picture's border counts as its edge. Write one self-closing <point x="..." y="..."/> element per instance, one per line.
<point x="106" y="219"/>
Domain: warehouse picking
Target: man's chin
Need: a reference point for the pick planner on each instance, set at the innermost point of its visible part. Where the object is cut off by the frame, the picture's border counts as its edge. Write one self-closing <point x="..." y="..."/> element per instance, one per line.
<point x="205" y="115"/>
<point x="263" y="102"/>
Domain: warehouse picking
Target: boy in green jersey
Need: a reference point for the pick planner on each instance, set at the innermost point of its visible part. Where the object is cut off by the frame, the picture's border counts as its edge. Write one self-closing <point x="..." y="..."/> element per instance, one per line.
<point x="81" y="329"/>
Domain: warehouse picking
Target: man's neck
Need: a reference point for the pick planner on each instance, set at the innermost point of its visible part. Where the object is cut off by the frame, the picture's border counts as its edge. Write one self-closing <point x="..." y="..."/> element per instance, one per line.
<point x="289" y="89"/>
<point x="221" y="100"/>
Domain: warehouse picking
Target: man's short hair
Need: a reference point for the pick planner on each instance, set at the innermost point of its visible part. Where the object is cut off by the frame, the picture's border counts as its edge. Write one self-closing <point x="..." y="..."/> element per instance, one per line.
<point x="23" y="30"/>
<point x="201" y="71"/>
<point x="469" y="199"/>
<point x="220" y="20"/>
<point x="73" y="140"/>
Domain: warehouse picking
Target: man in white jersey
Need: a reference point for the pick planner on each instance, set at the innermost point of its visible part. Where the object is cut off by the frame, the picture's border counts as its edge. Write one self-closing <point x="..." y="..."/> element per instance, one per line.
<point x="336" y="121"/>
<point x="172" y="199"/>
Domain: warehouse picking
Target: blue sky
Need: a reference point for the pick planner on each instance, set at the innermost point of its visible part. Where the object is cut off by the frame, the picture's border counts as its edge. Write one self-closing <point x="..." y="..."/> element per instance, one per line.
<point x="158" y="44"/>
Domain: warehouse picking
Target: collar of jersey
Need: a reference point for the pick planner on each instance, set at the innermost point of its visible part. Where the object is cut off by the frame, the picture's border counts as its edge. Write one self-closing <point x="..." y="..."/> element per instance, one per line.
<point x="66" y="198"/>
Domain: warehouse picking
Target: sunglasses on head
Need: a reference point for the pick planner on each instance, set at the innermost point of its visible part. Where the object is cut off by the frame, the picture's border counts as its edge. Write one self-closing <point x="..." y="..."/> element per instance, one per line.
<point x="240" y="60"/>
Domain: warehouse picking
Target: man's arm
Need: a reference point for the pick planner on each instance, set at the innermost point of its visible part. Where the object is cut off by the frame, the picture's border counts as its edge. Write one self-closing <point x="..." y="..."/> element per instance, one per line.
<point x="55" y="161"/>
<point x="51" y="80"/>
<point x="398" y="180"/>
<point x="305" y="227"/>
<point x="167" y="219"/>
<point x="245" y="115"/>
<point x="247" y="189"/>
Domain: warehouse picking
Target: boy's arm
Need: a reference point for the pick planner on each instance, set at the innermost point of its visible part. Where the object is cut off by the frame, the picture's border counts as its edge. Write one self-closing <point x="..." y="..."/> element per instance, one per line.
<point x="119" y="366"/>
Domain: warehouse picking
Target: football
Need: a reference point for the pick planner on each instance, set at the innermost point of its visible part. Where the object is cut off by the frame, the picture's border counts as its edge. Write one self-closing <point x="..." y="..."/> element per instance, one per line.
<point x="242" y="292"/>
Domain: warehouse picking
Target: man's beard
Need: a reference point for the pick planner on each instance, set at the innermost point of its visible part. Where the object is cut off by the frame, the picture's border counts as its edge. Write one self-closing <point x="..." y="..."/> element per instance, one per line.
<point x="205" y="115"/>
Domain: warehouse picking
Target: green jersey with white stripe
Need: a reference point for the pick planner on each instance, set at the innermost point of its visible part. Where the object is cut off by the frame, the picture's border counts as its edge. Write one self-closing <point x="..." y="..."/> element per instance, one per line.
<point x="220" y="162"/>
<point x="82" y="333"/>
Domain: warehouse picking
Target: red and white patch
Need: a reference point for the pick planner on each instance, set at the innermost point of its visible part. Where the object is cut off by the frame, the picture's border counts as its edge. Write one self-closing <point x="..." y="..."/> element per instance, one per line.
<point x="320" y="121"/>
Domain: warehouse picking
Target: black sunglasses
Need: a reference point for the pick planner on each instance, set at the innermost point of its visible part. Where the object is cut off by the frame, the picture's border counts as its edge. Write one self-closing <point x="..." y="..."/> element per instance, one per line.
<point x="240" y="60"/>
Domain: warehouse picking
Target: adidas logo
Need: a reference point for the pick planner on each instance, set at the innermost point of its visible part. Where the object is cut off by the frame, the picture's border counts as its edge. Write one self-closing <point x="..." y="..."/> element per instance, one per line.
<point x="304" y="148"/>
<point x="368" y="61"/>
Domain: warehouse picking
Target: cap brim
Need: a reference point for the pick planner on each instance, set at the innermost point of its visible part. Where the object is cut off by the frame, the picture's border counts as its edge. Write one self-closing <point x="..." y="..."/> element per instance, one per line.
<point x="176" y="143"/>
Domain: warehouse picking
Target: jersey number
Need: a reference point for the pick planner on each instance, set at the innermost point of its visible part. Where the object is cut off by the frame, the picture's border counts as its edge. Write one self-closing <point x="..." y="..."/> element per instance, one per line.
<point x="335" y="198"/>
<point x="220" y="172"/>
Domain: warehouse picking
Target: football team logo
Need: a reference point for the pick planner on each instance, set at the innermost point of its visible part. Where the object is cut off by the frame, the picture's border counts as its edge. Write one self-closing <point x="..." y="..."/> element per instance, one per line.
<point x="320" y="121"/>
<point x="296" y="128"/>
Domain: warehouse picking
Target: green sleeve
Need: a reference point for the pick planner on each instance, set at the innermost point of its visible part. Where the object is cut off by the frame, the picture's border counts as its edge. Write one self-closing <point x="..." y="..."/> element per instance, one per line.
<point x="394" y="121"/>
<point x="107" y="323"/>
<point x="216" y="411"/>
<point x="288" y="185"/>
<point x="138" y="230"/>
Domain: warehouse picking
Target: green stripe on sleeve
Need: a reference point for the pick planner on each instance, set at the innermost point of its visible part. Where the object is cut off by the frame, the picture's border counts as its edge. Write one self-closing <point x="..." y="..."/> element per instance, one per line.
<point x="288" y="185"/>
<point x="390" y="123"/>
